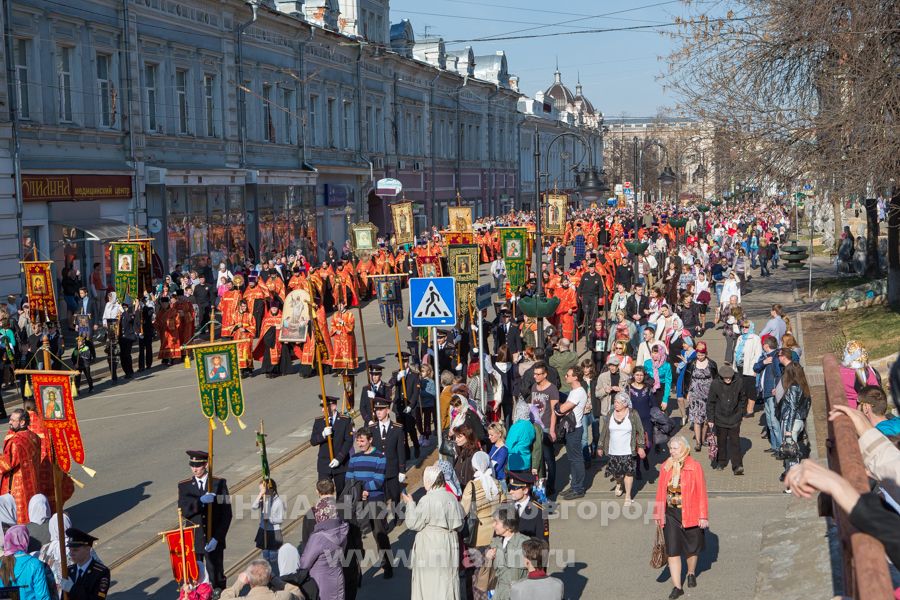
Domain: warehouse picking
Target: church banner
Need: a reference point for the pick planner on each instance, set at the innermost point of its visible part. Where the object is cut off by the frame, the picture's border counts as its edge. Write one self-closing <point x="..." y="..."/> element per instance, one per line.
<point x="53" y="397"/>
<point x="390" y="298"/>
<point x="455" y="238"/>
<point x="429" y="265"/>
<point x="181" y="554"/>
<point x="463" y="265"/>
<point x="126" y="260"/>
<point x="219" y="380"/>
<point x="555" y="217"/>
<point x="513" y="247"/>
<point x="39" y="289"/>
<point x="404" y="225"/>
<point x="460" y="218"/>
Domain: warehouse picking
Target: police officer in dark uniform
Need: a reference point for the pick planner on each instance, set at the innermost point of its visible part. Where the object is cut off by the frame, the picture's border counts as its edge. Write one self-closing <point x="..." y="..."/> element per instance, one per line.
<point x="406" y="403"/>
<point x="388" y="439"/>
<point x="446" y="358"/>
<point x="194" y="500"/>
<point x="88" y="578"/>
<point x="377" y="389"/>
<point x="533" y="522"/>
<point x="590" y="289"/>
<point x="340" y="430"/>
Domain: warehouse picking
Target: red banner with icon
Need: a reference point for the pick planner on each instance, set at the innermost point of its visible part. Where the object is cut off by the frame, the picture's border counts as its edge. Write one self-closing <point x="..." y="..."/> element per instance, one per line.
<point x="53" y="397"/>
<point x="39" y="289"/>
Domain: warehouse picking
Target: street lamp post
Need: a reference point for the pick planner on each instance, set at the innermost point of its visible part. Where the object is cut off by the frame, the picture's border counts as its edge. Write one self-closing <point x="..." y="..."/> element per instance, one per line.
<point x="666" y="178"/>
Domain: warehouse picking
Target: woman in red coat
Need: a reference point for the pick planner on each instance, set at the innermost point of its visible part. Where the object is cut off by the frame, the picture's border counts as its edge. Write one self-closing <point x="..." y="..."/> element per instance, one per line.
<point x="682" y="509"/>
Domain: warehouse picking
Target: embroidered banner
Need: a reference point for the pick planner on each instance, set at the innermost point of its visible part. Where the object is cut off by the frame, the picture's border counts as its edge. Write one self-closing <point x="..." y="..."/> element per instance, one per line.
<point x="463" y="265"/>
<point x="513" y="248"/>
<point x="390" y="298"/>
<point x="555" y="216"/>
<point x="181" y="542"/>
<point x="126" y="260"/>
<point x="429" y="265"/>
<point x="454" y="238"/>
<point x="404" y="225"/>
<point x="53" y="397"/>
<point x="39" y="289"/>
<point x="219" y="381"/>
<point x="460" y="218"/>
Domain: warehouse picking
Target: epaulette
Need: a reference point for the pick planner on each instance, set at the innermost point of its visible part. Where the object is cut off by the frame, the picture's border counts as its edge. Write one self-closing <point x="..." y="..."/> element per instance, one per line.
<point x="396" y="424"/>
<point x="185" y="480"/>
<point x="537" y="505"/>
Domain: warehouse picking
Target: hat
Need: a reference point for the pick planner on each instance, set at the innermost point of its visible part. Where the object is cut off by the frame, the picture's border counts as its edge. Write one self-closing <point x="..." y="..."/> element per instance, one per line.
<point x="197" y="457"/>
<point x="330" y="399"/>
<point x="404" y="356"/>
<point x="726" y="372"/>
<point x="613" y="361"/>
<point x="519" y="480"/>
<point x="701" y="347"/>
<point x="442" y="333"/>
<point x="379" y="402"/>
<point x="376" y="369"/>
<point x="78" y="539"/>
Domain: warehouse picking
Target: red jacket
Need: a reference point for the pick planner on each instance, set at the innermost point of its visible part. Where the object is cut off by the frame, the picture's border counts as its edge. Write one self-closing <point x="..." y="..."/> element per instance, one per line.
<point x="694" y="501"/>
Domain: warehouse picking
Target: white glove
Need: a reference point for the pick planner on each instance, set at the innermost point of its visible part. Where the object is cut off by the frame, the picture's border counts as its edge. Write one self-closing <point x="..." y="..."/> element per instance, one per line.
<point x="401" y="477"/>
<point x="211" y="546"/>
<point x="371" y="423"/>
<point x="401" y="373"/>
<point x="430" y="352"/>
<point x="407" y="410"/>
<point x="208" y="498"/>
<point x="334" y="463"/>
<point x="326" y="432"/>
<point x="371" y="394"/>
<point x="459" y="367"/>
<point x="67" y="584"/>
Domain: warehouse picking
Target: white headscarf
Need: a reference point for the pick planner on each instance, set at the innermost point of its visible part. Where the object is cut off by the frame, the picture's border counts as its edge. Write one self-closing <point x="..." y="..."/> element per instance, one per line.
<point x="288" y="559"/>
<point x="38" y="509"/>
<point x="7" y="510"/>
<point x="484" y="473"/>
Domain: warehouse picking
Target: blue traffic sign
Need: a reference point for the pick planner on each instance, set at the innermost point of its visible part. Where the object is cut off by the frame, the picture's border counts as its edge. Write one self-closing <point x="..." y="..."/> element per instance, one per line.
<point x="432" y="301"/>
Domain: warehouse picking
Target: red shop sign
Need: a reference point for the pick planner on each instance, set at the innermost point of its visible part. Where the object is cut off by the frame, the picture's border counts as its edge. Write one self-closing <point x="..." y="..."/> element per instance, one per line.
<point x="76" y="187"/>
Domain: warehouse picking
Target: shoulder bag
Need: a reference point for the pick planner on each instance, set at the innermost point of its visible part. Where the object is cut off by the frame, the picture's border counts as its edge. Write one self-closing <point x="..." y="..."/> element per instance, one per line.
<point x="470" y="525"/>
<point x="658" y="556"/>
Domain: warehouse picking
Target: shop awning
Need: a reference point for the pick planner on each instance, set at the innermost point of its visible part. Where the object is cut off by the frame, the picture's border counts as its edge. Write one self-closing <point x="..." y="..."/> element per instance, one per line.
<point x="105" y="230"/>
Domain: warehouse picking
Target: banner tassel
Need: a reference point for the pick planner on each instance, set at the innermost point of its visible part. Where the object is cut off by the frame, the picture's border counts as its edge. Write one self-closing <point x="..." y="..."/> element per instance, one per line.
<point x="89" y="471"/>
<point x="76" y="482"/>
<point x="241" y="423"/>
<point x="28" y="393"/>
<point x="225" y="427"/>
<point x="212" y="423"/>
<point x="74" y="389"/>
<point x="187" y="361"/>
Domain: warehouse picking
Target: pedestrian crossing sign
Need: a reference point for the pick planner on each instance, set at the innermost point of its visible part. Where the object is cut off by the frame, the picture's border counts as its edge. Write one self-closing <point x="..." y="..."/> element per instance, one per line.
<point x="432" y="301"/>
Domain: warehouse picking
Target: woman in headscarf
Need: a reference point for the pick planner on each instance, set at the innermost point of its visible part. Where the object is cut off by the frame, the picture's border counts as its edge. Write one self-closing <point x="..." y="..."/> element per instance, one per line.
<point x="327" y="541"/>
<point x="49" y="554"/>
<point x="200" y="589"/>
<point x="622" y="439"/>
<point x="660" y="370"/>
<point x="7" y="511"/>
<point x="38" y="525"/>
<point x="520" y="439"/>
<point x="682" y="510"/>
<point x="699" y="375"/>
<point x="856" y="372"/>
<point x="451" y="483"/>
<point x="291" y="578"/>
<point x="19" y="568"/>
<point x="484" y="492"/>
<point x="436" y="518"/>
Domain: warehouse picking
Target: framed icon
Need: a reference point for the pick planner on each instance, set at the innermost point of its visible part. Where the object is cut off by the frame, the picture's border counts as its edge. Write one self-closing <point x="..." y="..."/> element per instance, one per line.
<point x="52" y="403"/>
<point x="217" y="367"/>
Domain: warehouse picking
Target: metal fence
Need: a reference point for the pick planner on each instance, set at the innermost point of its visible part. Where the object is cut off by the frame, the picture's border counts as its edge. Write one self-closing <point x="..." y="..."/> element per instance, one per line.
<point x="864" y="567"/>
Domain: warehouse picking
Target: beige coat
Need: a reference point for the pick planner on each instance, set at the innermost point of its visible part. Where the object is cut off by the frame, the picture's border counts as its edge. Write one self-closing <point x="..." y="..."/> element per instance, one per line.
<point x="485" y="510"/>
<point x="603" y="393"/>
<point x="436" y="519"/>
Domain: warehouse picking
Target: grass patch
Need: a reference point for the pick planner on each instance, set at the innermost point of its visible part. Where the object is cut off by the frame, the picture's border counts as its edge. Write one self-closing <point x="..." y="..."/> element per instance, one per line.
<point x="877" y="328"/>
<point x="836" y="284"/>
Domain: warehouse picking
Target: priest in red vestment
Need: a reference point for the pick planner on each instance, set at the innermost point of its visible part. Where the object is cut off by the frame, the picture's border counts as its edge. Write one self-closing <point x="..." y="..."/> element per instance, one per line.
<point x="45" y="472"/>
<point x="228" y="306"/>
<point x="243" y="330"/>
<point x="568" y="307"/>
<point x="20" y="463"/>
<point x="343" y="340"/>
<point x="268" y="346"/>
<point x="168" y="324"/>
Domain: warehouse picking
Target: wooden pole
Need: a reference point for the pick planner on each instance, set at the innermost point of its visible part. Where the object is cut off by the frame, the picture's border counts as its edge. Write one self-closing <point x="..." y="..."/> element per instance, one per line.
<point x="262" y="431"/>
<point x="184" y="573"/>
<point x="212" y="324"/>
<point x="400" y="358"/>
<point x="57" y="482"/>
<point x="209" y="476"/>
<point x="362" y="330"/>
<point x="325" y="414"/>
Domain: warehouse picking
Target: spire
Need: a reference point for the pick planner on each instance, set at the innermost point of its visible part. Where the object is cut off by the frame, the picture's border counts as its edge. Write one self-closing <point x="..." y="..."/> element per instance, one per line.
<point x="578" y="85"/>
<point x="557" y="78"/>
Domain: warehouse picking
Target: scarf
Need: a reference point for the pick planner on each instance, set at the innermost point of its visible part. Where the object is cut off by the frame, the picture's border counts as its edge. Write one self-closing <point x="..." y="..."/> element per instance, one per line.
<point x="857" y="358"/>
<point x="7" y="510"/>
<point x="675" y="462"/>
<point x="660" y="360"/>
<point x="38" y="509"/>
<point x="450" y="476"/>
<point x="484" y="473"/>
<point x="15" y="540"/>
<point x="288" y="559"/>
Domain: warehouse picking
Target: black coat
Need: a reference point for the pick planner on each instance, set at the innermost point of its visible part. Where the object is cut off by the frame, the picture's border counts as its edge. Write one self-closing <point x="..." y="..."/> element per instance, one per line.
<point x="727" y="403"/>
<point x="633" y="307"/>
<point x="92" y="309"/>
<point x="93" y="585"/>
<point x="196" y="512"/>
<point x="365" y="403"/>
<point x="392" y="448"/>
<point x="127" y="327"/>
<point x="512" y="338"/>
<point x="533" y="521"/>
<point x="411" y="399"/>
<point x="341" y="442"/>
<point x="203" y="295"/>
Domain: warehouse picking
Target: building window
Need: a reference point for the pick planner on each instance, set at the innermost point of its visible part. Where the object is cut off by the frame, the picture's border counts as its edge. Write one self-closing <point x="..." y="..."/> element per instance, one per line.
<point x="379" y="130"/>
<point x="106" y="91"/>
<point x="21" y="56"/>
<point x="268" y="124"/>
<point x="417" y="147"/>
<point x="150" y="84"/>
<point x="313" y="116"/>
<point x="64" y="77"/>
<point x="287" y="110"/>
<point x="209" y="104"/>
<point x="347" y="125"/>
<point x="330" y="116"/>
<point x="181" y="100"/>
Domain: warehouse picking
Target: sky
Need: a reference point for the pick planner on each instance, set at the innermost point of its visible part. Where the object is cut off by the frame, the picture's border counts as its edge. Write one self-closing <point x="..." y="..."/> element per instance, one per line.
<point x="620" y="70"/>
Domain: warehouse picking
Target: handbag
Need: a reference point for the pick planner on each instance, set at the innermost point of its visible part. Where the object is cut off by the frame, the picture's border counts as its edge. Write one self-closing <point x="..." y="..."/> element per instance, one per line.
<point x="485" y="577"/>
<point x="565" y="424"/>
<point x="269" y="539"/>
<point x="470" y="525"/>
<point x="712" y="442"/>
<point x="659" y="557"/>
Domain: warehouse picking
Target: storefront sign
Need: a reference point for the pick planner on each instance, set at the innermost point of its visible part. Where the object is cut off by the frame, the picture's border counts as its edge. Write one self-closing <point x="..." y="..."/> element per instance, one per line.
<point x="76" y="187"/>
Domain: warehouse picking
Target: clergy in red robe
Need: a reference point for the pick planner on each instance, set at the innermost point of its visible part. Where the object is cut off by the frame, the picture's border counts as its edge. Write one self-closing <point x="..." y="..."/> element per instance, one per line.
<point x="268" y="346"/>
<point x="307" y="354"/>
<point x="168" y="324"/>
<point x="228" y="306"/>
<point x="568" y="307"/>
<point x="185" y="309"/>
<point x="243" y="330"/>
<point x="19" y="463"/>
<point x="343" y="340"/>
<point x="45" y="471"/>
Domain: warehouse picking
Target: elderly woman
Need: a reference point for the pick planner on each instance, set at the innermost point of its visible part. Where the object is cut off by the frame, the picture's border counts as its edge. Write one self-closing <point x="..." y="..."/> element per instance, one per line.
<point x="484" y="493"/>
<point x="38" y="523"/>
<point x="436" y="518"/>
<point x="855" y="371"/>
<point x="49" y="554"/>
<point x="699" y="375"/>
<point x="520" y="439"/>
<point x="328" y="540"/>
<point x="622" y="440"/>
<point x="682" y="510"/>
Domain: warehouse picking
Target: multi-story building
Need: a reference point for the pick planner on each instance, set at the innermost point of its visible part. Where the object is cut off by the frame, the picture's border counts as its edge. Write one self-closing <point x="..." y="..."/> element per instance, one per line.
<point x="233" y="129"/>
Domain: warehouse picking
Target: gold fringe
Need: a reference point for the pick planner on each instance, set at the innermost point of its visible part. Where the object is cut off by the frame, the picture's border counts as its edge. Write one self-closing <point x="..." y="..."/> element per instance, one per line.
<point x="187" y="361"/>
<point x="90" y="472"/>
<point x="241" y="423"/>
<point x="76" y="482"/>
<point x="28" y="392"/>
<point x="225" y="427"/>
<point x="74" y="389"/>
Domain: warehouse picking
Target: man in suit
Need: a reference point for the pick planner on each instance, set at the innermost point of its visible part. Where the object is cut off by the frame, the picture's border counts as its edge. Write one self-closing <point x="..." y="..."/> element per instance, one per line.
<point x="376" y="389"/>
<point x="195" y="495"/>
<point x="508" y="333"/>
<point x="533" y="521"/>
<point x="88" y="306"/>
<point x="146" y="314"/>
<point x="637" y="308"/>
<point x="388" y="439"/>
<point x="339" y="429"/>
<point x="405" y="385"/>
<point x="203" y="295"/>
<point x="87" y="578"/>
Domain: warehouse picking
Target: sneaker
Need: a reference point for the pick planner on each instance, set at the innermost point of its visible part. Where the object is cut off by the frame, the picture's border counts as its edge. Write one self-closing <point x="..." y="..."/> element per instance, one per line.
<point x="573" y="495"/>
<point x="691" y="580"/>
<point x="676" y="593"/>
<point x="739" y="471"/>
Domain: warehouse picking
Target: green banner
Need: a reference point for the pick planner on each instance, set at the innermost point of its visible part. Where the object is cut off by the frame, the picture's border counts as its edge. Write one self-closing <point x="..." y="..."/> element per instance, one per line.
<point x="263" y="454"/>
<point x="514" y="249"/>
<point x="463" y="262"/>
<point x="219" y="380"/>
<point x="126" y="257"/>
